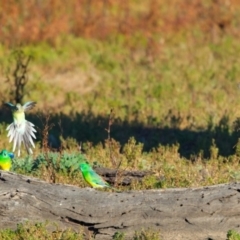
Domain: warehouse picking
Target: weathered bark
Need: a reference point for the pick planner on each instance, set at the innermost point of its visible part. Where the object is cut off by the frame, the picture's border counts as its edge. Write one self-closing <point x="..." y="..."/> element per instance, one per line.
<point x="192" y="213"/>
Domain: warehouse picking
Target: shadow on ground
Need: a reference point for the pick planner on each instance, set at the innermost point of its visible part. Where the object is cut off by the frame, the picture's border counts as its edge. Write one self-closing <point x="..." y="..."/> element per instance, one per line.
<point x="86" y="127"/>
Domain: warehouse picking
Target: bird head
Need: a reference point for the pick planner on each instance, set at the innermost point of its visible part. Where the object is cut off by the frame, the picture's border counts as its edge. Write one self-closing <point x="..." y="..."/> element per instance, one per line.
<point x="6" y="154"/>
<point x="18" y="106"/>
<point x="84" y="166"/>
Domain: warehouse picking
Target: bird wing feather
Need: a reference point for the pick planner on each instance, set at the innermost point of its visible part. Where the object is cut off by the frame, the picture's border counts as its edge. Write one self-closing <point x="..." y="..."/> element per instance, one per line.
<point x="97" y="179"/>
<point x="23" y="132"/>
<point x="12" y="106"/>
<point x="29" y="105"/>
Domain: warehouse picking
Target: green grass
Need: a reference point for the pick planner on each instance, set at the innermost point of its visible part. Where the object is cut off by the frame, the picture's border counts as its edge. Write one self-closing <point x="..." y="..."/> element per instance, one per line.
<point x="199" y="81"/>
<point x="40" y="231"/>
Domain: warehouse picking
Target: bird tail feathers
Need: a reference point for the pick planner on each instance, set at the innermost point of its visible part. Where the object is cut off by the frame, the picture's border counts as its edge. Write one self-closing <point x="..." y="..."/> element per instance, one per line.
<point x="19" y="133"/>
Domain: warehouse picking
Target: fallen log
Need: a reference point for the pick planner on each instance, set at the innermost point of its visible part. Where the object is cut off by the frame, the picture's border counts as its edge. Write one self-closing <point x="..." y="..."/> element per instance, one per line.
<point x="187" y="213"/>
<point x="122" y="177"/>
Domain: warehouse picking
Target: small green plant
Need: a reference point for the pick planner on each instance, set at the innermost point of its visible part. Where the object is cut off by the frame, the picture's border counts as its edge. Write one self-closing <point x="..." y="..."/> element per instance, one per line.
<point x="146" y="234"/>
<point x="237" y="148"/>
<point x="68" y="143"/>
<point x="23" y="165"/>
<point x="118" y="236"/>
<point x="109" y="140"/>
<point x="213" y="150"/>
<point x="60" y="162"/>
<point x="233" y="235"/>
<point x="132" y="151"/>
<point x="64" y="167"/>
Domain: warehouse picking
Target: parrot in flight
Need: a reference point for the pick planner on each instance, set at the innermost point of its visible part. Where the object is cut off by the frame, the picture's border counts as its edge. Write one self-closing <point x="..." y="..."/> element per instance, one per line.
<point x="6" y="160"/>
<point x="91" y="177"/>
<point x="21" y="130"/>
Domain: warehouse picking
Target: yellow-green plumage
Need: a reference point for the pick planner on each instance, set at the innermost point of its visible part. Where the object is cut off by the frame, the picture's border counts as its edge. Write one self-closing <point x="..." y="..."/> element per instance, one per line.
<point x="18" y="115"/>
<point x="91" y="177"/>
<point x="6" y="160"/>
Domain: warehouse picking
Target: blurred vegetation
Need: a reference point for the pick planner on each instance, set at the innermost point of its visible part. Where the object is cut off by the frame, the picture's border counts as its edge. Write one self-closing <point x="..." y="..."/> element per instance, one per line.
<point x="40" y="231"/>
<point x="233" y="235"/>
<point x="51" y="231"/>
<point x="126" y="95"/>
<point x="151" y="85"/>
<point x="50" y="21"/>
<point x="48" y="231"/>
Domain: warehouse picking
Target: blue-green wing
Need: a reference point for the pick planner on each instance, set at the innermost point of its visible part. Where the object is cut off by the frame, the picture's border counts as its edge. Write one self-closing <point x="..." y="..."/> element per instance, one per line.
<point x="12" y="106"/>
<point x="97" y="179"/>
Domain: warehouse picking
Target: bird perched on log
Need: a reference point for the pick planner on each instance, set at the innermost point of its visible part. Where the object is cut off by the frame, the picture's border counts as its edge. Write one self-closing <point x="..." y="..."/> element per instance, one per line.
<point x="91" y="177"/>
<point x="21" y="130"/>
<point x="6" y="160"/>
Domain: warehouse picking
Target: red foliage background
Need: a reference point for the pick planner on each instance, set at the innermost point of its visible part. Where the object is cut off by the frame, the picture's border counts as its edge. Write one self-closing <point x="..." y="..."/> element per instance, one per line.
<point x="24" y="22"/>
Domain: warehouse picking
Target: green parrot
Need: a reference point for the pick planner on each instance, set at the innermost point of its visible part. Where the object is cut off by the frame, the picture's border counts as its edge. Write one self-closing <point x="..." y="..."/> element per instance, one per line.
<point x="6" y="160"/>
<point x="21" y="130"/>
<point x="91" y="177"/>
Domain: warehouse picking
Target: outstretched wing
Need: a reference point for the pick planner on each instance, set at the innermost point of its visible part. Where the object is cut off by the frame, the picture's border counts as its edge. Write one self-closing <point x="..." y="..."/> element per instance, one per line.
<point x="29" y="105"/>
<point x="12" y="106"/>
